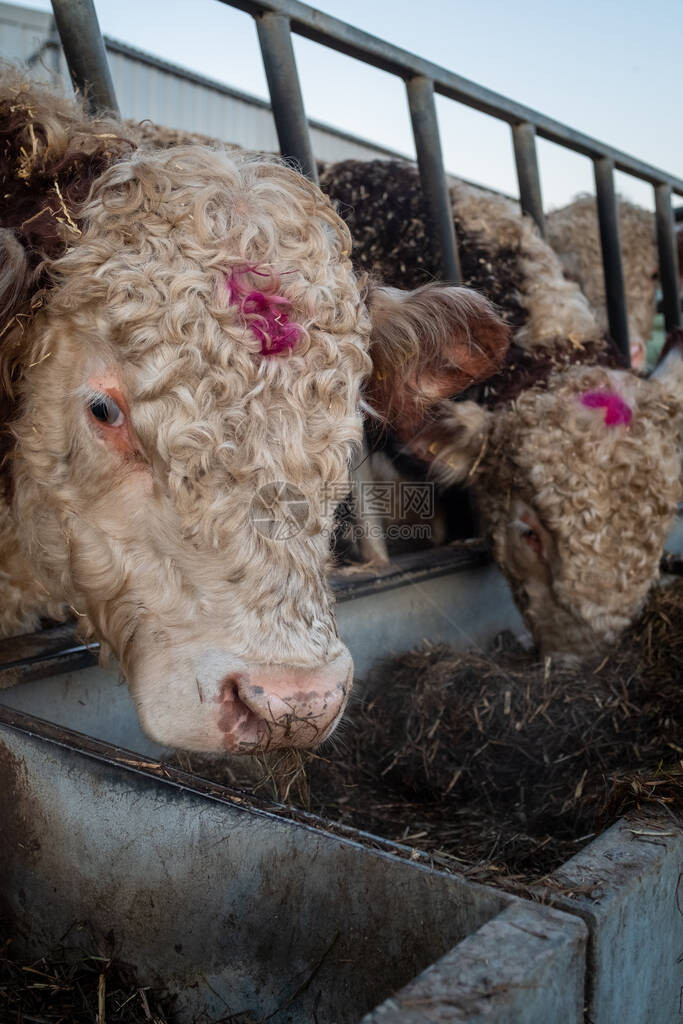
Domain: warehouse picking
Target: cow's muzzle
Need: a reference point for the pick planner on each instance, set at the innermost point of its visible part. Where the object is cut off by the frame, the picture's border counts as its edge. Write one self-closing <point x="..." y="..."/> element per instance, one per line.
<point x="211" y="700"/>
<point x="269" y="706"/>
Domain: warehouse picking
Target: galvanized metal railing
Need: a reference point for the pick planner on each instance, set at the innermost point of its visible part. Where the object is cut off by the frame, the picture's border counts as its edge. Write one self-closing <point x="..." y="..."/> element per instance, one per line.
<point x="276" y="20"/>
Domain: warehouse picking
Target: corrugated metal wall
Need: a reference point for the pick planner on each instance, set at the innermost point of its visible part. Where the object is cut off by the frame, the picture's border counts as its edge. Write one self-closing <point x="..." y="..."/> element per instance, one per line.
<point x="166" y="98"/>
<point x="147" y="87"/>
<point x="21" y="31"/>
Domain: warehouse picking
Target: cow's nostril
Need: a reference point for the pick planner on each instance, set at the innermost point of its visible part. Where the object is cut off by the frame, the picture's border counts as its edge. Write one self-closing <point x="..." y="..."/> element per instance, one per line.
<point x="230" y="687"/>
<point x="236" y="720"/>
<point x="298" y="706"/>
<point x="277" y="705"/>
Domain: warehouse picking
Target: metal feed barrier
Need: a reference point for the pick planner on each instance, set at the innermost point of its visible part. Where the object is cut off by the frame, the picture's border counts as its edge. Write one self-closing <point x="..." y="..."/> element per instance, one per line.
<point x="235" y="903"/>
<point x="275" y="22"/>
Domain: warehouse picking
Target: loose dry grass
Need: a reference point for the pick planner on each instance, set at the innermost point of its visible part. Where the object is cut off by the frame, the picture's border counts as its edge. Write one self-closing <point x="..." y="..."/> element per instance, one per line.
<point x="498" y="765"/>
<point x="68" y="986"/>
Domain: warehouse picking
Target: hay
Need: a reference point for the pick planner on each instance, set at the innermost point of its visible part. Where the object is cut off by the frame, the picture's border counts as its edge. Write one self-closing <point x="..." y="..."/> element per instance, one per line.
<point x="498" y="765"/>
<point x="508" y="763"/>
<point x="69" y="986"/>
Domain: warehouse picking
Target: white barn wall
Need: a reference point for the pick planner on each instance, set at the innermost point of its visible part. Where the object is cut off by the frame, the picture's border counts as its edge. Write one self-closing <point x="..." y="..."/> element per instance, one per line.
<point x="150" y="88"/>
<point x="21" y="31"/>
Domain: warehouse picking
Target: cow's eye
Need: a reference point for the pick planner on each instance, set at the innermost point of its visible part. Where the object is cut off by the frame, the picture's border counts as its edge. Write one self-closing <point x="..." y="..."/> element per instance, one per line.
<point x="531" y="538"/>
<point x="105" y="410"/>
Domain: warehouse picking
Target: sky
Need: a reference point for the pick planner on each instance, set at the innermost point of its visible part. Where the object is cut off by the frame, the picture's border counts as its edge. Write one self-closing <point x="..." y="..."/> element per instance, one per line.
<point x="608" y="68"/>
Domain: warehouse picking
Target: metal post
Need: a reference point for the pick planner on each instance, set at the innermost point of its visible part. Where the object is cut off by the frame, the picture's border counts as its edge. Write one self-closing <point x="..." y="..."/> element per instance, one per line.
<point x="430" y="161"/>
<point x="611" y="254"/>
<point x="372" y="546"/>
<point x="275" y="39"/>
<point x="530" y="198"/>
<point x="84" y="50"/>
<point x="668" y="257"/>
<point x="321" y="28"/>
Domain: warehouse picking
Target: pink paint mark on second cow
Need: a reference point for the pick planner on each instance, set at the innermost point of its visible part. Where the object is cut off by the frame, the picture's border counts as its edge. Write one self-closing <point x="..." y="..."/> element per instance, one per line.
<point x="265" y="313"/>
<point x="617" y="412"/>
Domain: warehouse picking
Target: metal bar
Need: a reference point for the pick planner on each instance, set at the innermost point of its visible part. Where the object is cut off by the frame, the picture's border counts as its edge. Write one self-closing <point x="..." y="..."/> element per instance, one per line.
<point x="286" y="100"/>
<point x="372" y="545"/>
<point x="44" y="653"/>
<point x="114" y="46"/>
<point x="526" y="160"/>
<point x="338" y="35"/>
<point x="84" y="50"/>
<point x="660" y="304"/>
<point x="351" y="583"/>
<point x="667" y="244"/>
<point x="611" y="255"/>
<point x="430" y="161"/>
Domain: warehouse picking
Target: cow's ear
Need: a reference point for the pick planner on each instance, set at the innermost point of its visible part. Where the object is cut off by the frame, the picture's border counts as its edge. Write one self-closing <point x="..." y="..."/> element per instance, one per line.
<point x="452" y="441"/>
<point x="50" y="154"/>
<point x="427" y="345"/>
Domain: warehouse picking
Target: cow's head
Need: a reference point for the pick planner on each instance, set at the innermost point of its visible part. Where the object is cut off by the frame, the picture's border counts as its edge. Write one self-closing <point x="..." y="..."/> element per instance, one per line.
<point x="577" y="483"/>
<point x="574" y="234"/>
<point x="185" y="393"/>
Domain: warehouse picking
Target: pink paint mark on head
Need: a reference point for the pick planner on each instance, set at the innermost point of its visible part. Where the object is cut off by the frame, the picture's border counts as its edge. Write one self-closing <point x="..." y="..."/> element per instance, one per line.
<point x="617" y="412"/>
<point x="265" y="313"/>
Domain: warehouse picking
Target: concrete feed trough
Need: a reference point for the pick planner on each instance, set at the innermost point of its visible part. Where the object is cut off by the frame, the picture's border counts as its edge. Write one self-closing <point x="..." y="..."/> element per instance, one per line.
<point x="236" y="909"/>
<point x="242" y="907"/>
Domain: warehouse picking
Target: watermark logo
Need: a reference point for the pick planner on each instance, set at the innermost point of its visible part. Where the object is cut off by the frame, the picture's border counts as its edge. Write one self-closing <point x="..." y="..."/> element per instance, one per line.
<point x="279" y="510"/>
<point x="397" y="501"/>
<point x="393" y="510"/>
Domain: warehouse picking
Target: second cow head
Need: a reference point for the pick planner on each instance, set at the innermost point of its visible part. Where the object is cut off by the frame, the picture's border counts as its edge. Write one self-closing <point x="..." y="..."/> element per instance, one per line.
<point x="577" y="483"/>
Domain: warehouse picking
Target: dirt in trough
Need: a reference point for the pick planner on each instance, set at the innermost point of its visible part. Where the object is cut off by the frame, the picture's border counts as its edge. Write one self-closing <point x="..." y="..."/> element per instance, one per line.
<point x="497" y="764"/>
<point x="70" y="986"/>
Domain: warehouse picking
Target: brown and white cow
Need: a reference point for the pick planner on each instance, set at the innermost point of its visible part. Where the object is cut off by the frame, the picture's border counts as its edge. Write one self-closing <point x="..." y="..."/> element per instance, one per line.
<point x="577" y="481"/>
<point x="574" y="234"/>
<point x="574" y="463"/>
<point x="183" y="347"/>
<point x="549" y="289"/>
